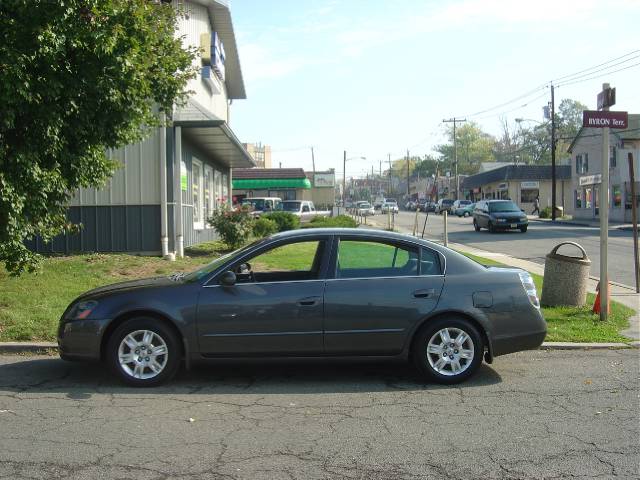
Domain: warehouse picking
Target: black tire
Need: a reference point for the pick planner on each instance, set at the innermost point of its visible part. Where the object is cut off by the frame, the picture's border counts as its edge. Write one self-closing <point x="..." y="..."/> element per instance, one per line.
<point x="421" y="358"/>
<point x="476" y="227"/>
<point x="170" y="361"/>
<point x="491" y="228"/>
<point x="523" y="229"/>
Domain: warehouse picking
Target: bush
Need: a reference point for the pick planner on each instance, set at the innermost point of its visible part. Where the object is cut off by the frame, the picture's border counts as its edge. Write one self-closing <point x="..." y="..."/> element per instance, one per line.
<point x="341" y="221"/>
<point x="284" y="220"/>
<point x="545" y="212"/>
<point x="233" y="225"/>
<point x="263" y="227"/>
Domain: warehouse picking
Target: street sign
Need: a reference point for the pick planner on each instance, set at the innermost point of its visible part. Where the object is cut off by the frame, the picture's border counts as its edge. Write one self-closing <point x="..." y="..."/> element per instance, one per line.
<point x="606" y="98"/>
<point x="597" y="119"/>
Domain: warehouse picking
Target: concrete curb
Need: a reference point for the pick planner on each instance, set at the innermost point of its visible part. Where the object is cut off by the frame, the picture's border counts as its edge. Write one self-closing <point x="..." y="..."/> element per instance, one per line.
<point x="17" y="348"/>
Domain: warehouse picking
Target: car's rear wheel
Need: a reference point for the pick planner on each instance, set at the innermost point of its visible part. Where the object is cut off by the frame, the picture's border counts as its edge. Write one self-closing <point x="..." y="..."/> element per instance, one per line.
<point x="476" y="227"/>
<point x="448" y="350"/>
<point x="466" y="214"/>
<point x="144" y="352"/>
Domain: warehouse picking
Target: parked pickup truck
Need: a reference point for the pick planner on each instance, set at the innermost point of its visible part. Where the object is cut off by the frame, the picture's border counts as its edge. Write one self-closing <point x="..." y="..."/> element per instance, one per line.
<point x="303" y="209"/>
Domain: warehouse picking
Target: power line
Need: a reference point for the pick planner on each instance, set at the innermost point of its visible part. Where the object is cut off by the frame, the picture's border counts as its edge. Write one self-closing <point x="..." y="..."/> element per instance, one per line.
<point x="520" y="97"/>
<point x="599" y="75"/>
<point x="596" y="66"/>
<point x="513" y="109"/>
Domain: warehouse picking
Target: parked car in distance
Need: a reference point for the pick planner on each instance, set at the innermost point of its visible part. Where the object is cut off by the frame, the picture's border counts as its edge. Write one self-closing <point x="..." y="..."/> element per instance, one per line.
<point x="410" y="299"/>
<point x="458" y="204"/>
<point x="390" y="206"/>
<point x="260" y="205"/>
<point x="428" y="206"/>
<point x="497" y="215"/>
<point x="304" y="209"/>
<point x="364" y="208"/>
<point x="411" y="205"/>
<point x="378" y="200"/>
<point x="465" y="210"/>
<point x="444" y="204"/>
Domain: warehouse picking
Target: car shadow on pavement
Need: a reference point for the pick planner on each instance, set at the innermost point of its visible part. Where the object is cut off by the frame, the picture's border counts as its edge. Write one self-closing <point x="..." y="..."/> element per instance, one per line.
<point x="83" y="380"/>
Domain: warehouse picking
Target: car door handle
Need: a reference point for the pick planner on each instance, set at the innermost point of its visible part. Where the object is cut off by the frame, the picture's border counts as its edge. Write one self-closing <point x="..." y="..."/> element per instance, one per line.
<point x="308" y="302"/>
<point x="430" y="292"/>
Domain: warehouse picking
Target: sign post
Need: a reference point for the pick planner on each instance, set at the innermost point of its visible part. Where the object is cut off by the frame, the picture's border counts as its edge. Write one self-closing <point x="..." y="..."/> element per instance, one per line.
<point x="604" y="119"/>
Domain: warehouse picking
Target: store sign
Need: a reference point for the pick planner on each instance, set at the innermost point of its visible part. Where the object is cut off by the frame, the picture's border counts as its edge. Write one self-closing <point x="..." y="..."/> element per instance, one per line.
<point x="324" y="180"/>
<point x="590" y="180"/>
<point x="529" y="185"/>
<point x="604" y="119"/>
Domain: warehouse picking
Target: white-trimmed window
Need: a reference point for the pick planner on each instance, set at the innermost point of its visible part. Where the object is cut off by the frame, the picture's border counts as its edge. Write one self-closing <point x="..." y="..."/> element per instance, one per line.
<point x="209" y="199"/>
<point x="197" y="189"/>
<point x="225" y="188"/>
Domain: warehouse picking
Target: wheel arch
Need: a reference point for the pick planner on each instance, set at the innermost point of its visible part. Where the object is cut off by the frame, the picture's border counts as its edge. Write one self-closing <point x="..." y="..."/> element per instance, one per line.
<point x="124" y="316"/>
<point x="488" y="355"/>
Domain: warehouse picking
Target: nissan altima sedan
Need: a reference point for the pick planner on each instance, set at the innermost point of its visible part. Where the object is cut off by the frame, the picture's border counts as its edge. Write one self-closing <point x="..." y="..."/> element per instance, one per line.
<point x="311" y="293"/>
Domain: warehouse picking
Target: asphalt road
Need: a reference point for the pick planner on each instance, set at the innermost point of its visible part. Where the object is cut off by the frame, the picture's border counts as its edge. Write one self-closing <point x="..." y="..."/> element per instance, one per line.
<point x="539" y="414"/>
<point x="533" y="245"/>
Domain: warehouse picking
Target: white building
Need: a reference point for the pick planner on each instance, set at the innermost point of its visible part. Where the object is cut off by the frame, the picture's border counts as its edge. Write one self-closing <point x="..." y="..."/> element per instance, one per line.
<point x="586" y="171"/>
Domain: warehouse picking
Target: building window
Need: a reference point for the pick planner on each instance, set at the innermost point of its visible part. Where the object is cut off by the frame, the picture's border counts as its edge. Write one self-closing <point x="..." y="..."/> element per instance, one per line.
<point x="587" y="197"/>
<point x="209" y="199"/>
<point x="616" y="192"/>
<point x="578" y="164"/>
<point x="582" y="163"/>
<point x="218" y="188"/>
<point x="528" y="195"/>
<point x="196" y="189"/>
<point x="577" y="198"/>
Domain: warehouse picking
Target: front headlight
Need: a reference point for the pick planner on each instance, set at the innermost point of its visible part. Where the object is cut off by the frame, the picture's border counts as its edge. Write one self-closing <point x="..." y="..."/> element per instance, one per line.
<point x="81" y="310"/>
<point x="530" y="288"/>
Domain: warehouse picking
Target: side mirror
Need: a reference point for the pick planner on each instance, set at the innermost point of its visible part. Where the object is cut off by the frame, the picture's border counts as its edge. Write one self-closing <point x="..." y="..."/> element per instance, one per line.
<point x="228" y="279"/>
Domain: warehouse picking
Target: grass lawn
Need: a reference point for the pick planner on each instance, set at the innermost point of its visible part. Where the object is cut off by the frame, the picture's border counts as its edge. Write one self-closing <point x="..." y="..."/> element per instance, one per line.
<point x="577" y="324"/>
<point x="31" y="305"/>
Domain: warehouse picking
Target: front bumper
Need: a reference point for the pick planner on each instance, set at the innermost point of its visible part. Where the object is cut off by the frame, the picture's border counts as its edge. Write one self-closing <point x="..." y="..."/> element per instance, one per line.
<point x="510" y="225"/>
<point x="81" y="339"/>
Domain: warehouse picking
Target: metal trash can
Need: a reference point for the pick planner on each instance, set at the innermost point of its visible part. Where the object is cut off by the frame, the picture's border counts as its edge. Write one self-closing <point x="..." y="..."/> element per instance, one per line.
<point x="565" y="278"/>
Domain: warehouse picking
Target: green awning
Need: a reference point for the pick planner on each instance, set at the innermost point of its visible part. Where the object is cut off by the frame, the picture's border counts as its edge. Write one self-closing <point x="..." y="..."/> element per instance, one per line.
<point x="269" y="183"/>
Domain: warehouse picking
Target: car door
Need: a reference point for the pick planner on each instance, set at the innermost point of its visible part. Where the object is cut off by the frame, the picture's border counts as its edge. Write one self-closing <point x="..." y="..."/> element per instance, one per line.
<point x="274" y="308"/>
<point x="379" y="291"/>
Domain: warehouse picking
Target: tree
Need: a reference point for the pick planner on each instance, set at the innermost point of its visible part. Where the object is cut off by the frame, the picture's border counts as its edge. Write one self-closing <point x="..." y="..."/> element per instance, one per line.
<point x="76" y="78"/>
<point x="474" y="147"/>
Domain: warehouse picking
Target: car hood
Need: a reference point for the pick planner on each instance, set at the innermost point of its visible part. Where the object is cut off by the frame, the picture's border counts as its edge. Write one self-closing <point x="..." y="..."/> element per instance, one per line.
<point x="130" y="285"/>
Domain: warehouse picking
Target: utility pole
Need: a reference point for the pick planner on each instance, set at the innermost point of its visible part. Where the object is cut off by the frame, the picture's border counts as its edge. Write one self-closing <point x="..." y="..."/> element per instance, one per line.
<point x="389" y="189"/>
<point x="455" y="149"/>
<point x="313" y="164"/>
<point x="344" y="176"/>
<point x="408" y="173"/>
<point x="634" y="221"/>
<point x="553" y="155"/>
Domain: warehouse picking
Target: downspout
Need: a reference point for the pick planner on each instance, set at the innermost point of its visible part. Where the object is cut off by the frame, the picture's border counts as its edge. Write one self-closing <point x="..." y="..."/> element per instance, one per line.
<point x="164" y="238"/>
<point x="178" y="192"/>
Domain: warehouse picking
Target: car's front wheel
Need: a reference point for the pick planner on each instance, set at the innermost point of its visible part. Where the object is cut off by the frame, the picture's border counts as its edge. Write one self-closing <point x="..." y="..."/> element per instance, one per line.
<point x="523" y="229"/>
<point x="448" y="350"/>
<point x="476" y="227"/>
<point x="144" y="352"/>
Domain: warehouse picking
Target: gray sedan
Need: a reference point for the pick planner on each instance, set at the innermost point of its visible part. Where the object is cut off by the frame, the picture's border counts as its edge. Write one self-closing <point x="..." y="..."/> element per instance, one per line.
<point x="311" y="293"/>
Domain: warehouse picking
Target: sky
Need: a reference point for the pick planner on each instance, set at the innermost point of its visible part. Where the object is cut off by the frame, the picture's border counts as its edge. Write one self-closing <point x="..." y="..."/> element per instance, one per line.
<point x="377" y="77"/>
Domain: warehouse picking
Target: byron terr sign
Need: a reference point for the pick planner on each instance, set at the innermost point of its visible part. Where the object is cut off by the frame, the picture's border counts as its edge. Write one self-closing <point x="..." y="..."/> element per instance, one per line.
<point x="597" y="119"/>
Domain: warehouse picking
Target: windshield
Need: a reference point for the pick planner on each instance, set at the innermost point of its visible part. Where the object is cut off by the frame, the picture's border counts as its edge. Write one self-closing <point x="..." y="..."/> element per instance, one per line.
<point x="204" y="271"/>
<point x="364" y="205"/>
<point x="390" y="200"/>
<point x="447" y="202"/>
<point x="506" y="206"/>
<point x="465" y="202"/>
<point x="291" y="206"/>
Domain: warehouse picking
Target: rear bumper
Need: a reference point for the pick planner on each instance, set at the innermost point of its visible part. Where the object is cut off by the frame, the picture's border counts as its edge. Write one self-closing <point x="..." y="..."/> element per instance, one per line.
<point x="517" y="343"/>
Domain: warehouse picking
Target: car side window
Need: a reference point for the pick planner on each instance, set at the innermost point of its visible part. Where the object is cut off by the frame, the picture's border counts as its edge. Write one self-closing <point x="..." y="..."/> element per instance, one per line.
<point x="429" y="262"/>
<point x="367" y="259"/>
<point x="288" y="262"/>
<point x="305" y="208"/>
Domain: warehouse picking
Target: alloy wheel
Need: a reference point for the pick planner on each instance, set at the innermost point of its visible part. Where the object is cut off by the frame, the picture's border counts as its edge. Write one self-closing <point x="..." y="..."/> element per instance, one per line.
<point x="143" y="354"/>
<point x="450" y="351"/>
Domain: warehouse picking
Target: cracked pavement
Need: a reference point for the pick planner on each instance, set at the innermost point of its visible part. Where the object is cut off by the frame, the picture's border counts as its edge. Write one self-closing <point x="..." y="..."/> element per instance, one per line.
<point x="537" y="414"/>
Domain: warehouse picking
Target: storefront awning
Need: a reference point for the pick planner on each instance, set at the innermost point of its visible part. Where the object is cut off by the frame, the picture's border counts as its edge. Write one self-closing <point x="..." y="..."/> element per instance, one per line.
<point x="212" y="135"/>
<point x="270" y="183"/>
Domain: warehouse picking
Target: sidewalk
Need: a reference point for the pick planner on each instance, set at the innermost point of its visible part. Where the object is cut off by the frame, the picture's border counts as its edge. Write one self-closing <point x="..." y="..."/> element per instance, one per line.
<point x="619" y="293"/>
<point x="595" y="223"/>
